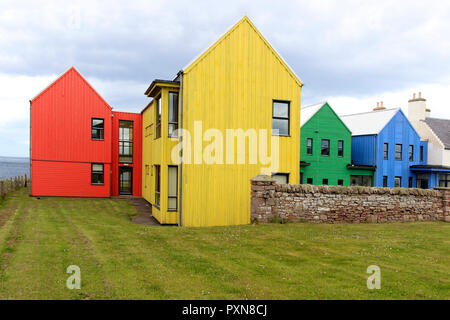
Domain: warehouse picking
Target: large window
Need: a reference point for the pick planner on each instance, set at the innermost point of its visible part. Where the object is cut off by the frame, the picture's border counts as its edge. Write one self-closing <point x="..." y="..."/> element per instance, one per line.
<point x="385" y="181"/>
<point x="365" y="181"/>
<point x="173" y="188"/>
<point x="98" y="129"/>
<point x="280" y="118"/>
<point x="325" y="147"/>
<point x="173" y="113"/>
<point x="157" y="185"/>
<point x="398" y="182"/>
<point x="97" y="173"/>
<point x="386" y="151"/>
<point x="158" y="118"/>
<point x="340" y="148"/>
<point x="125" y="141"/>
<point x="422" y="181"/>
<point x="444" y="180"/>
<point x="398" y="152"/>
<point x="411" y="153"/>
<point x="309" y="146"/>
<point x="281" y="178"/>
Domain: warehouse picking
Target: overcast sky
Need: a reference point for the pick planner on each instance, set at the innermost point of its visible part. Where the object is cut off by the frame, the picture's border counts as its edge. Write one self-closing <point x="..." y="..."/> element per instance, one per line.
<point x="351" y="53"/>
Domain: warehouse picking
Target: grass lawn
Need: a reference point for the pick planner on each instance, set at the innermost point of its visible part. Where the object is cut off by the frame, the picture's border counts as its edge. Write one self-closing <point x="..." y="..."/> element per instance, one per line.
<point x="39" y="239"/>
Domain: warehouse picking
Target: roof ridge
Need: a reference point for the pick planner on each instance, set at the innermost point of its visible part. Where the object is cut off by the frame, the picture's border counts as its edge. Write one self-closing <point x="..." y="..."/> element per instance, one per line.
<point x="315" y="104"/>
<point x="378" y="111"/>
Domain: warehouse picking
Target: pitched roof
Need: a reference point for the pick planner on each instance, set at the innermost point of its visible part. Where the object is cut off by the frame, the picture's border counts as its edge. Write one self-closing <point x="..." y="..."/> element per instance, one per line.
<point x="245" y="19"/>
<point x="441" y="127"/>
<point x="72" y="69"/>
<point x="369" y="123"/>
<point x="308" y="112"/>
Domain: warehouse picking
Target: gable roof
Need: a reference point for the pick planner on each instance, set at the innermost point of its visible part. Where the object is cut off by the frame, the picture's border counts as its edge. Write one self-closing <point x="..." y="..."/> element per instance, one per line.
<point x="245" y="19"/>
<point x="308" y="112"/>
<point x="71" y="69"/>
<point x="369" y="123"/>
<point x="441" y="127"/>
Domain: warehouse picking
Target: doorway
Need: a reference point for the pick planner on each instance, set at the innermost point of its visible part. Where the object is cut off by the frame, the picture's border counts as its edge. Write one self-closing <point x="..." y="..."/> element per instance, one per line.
<point x="125" y="180"/>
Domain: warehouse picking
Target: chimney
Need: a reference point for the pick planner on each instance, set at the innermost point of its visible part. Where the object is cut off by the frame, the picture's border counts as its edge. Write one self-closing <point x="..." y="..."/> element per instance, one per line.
<point x="379" y="106"/>
<point x="417" y="109"/>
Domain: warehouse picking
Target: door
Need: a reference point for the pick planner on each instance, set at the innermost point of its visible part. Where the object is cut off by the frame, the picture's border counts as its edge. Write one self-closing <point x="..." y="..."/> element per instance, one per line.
<point x="125" y="180"/>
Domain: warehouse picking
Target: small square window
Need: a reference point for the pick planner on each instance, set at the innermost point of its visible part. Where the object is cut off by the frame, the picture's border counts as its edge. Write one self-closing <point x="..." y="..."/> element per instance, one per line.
<point x="309" y="181"/>
<point x="340" y="182"/>
<point x="98" y="129"/>
<point x="398" y="182"/>
<point x="97" y="173"/>
<point x="280" y="118"/>
<point x="325" y="182"/>
<point x="281" y="178"/>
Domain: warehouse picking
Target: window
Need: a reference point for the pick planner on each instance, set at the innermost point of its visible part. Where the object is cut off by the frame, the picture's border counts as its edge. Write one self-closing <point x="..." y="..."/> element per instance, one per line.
<point x="309" y="181"/>
<point x="340" y="148"/>
<point x="398" y="182"/>
<point x="422" y="181"/>
<point x="173" y="188"/>
<point x="385" y="181"/>
<point x="98" y="129"/>
<point x="280" y="118"/>
<point x="309" y="146"/>
<point x="421" y="153"/>
<point x="340" y="182"/>
<point x="173" y="113"/>
<point x="301" y="177"/>
<point x="157" y="185"/>
<point x="325" y="182"/>
<point x="281" y="178"/>
<point x="386" y="151"/>
<point x="325" y="147"/>
<point x="158" y="118"/>
<point x="410" y="182"/>
<point x="444" y="180"/>
<point x="125" y="141"/>
<point x="411" y="153"/>
<point x="97" y="173"/>
<point x="398" y="152"/>
<point x="365" y="181"/>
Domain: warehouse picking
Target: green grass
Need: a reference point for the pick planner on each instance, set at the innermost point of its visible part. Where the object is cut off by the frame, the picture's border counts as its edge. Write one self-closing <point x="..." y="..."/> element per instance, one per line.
<point x="39" y="239"/>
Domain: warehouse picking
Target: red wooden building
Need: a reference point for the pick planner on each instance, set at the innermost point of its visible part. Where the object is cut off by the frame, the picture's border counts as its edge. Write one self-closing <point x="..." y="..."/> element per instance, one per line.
<point x="79" y="145"/>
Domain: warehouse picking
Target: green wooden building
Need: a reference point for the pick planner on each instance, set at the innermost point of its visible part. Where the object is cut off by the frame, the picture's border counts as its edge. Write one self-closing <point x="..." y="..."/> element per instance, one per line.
<point x="325" y="150"/>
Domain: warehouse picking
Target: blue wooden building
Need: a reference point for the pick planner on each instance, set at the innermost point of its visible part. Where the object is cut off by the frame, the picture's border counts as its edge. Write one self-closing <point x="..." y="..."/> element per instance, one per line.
<point x="386" y="140"/>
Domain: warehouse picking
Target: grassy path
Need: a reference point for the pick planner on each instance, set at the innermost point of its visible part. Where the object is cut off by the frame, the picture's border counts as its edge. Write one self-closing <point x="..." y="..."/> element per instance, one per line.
<point x="39" y="239"/>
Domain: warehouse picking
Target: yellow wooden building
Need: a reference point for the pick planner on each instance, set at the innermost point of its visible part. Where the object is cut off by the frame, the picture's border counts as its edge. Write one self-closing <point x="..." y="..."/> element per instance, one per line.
<point x="238" y="88"/>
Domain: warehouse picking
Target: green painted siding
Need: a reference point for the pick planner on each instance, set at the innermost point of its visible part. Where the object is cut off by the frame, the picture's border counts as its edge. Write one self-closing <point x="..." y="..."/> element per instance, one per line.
<point x="326" y="125"/>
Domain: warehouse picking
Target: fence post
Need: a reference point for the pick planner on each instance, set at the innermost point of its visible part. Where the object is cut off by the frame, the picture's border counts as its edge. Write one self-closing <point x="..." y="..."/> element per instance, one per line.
<point x="25" y="184"/>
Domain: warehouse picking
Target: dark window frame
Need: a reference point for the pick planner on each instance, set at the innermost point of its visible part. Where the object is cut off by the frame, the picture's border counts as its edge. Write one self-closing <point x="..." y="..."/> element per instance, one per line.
<point x="157" y="186"/>
<point x="288" y="119"/>
<point x="309" y="148"/>
<point x="130" y="143"/>
<point x="410" y="182"/>
<point x="385" y="181"/>
<point x="421" y="153"/>
<point x="321" y="148"/>
<point x="398" y="178"/>
<point x="397" y="153"/>
<point x="176" y="188"/>
<point x="158" y="116"/>
<point x="340" y="153"/>
<point x="340" y="182"/>
<point x="411" y="152"/>
<point x="172" y="123"/>
<point x="101" y="130"/>
<point x="446" y="181"/>
<point x="309" y="179"/>
<point x="99" y="173"/>
<point x="323" y="182"/>
<point x="386" y="151"/>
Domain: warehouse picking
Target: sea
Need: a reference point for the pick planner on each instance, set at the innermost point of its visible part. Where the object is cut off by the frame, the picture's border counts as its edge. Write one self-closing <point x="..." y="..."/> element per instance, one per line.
<point x="12" y="167"/>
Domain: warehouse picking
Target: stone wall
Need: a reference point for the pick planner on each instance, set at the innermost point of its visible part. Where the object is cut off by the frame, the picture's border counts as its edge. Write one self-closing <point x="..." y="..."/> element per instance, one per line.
<point x="329" y="204"/>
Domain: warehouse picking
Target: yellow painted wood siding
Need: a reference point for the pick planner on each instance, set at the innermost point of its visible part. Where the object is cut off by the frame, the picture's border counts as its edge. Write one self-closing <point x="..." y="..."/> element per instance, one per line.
<point x="157" y="152"/>
<point x="231" y="86"/>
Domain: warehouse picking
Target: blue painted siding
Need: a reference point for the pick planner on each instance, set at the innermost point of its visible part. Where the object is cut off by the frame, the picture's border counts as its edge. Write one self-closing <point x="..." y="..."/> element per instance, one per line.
<point x="369" y="150"/>
<point x="363" y="150"/>
<point x="398" y="131"/>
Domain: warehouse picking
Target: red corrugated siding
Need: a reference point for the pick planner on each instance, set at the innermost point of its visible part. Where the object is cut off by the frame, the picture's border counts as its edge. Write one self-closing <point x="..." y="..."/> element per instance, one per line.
<point x="61" y="136"/>
<point x="137" y="152"/>
<point x="67" y="179"/>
